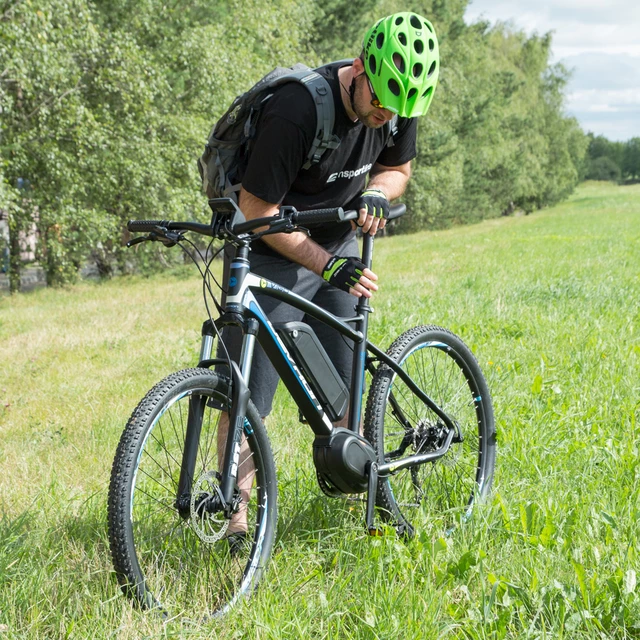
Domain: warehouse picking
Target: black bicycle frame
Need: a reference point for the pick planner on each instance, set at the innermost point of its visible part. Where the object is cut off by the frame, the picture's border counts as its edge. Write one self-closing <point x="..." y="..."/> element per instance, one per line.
<point x="243" y="309"/>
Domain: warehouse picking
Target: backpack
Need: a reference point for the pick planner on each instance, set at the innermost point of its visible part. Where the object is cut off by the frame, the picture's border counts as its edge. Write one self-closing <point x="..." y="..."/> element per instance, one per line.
<point x="230" y="139"/>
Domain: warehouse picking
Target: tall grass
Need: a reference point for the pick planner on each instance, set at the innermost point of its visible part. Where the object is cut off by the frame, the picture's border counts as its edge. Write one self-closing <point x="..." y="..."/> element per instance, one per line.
<point x="550" y="305"/>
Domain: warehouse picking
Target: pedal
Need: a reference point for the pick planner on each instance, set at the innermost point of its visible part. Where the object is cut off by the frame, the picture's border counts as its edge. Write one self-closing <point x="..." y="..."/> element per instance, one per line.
<point x="374" y="532"/>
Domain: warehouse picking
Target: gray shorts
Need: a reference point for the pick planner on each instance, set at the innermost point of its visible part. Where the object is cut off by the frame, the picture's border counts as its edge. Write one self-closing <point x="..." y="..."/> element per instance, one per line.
<point x="264" y="379"/>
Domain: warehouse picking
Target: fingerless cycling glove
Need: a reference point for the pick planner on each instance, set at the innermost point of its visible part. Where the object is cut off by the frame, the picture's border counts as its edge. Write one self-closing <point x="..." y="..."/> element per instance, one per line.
<point x="343" y="273"/>
<point x="375" y="202"/>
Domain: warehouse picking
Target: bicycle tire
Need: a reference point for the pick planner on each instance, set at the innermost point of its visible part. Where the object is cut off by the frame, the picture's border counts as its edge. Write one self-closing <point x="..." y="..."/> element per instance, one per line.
<point x="183" y="564"/>
<point x="447" y="371"/>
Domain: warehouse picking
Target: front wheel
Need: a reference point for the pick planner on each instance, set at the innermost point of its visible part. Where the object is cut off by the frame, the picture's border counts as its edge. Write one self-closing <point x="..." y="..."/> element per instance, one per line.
<point x="173" y="550"/>
<point x="398" y="425"/>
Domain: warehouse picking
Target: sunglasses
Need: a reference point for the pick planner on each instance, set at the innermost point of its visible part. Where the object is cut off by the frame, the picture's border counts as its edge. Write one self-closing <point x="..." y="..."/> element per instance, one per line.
<point x="374" y="99"/>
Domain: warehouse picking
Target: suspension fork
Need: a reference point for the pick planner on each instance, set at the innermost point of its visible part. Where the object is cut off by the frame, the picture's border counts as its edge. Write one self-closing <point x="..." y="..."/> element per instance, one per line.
<point x="240" y="395"/>
<point x="194" y="428"/>
<point x="239" y="402"/>
<point x="191" y="441"/>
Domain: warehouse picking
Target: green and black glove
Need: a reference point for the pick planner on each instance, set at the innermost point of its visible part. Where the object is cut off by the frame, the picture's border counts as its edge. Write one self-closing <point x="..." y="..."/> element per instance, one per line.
<point x="343" y="273"/>
<point x="375" y="202"/>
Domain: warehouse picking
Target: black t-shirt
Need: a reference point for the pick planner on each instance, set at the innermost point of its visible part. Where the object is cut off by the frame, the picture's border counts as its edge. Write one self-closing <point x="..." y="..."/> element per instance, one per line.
<point x="285" y="132"/>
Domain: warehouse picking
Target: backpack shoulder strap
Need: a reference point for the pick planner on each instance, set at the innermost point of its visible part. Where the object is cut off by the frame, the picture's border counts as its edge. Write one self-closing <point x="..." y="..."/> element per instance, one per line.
<point x="325" y="116"/>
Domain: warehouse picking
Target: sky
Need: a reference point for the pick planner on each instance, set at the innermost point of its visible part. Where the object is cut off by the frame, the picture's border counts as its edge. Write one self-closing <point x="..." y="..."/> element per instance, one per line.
<point x="599" y="40"/>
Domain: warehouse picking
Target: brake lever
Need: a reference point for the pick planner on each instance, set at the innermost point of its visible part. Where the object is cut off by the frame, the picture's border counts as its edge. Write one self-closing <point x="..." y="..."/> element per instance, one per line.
<point x="168" y="238"/>
<point x="284" y="225"/>
<point x="137" y="240"/>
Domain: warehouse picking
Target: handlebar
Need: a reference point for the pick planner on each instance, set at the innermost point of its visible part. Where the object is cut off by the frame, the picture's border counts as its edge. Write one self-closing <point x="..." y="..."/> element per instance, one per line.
<point x="148" y="226"/>
<point x="286" y="220"/>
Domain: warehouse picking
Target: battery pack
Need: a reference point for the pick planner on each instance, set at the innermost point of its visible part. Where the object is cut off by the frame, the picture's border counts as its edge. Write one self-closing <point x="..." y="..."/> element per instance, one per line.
<point x="315" y="365"/>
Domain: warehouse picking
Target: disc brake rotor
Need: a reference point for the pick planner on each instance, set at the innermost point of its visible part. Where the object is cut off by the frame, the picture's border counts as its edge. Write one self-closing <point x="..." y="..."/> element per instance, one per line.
<point x="208" y="524"/>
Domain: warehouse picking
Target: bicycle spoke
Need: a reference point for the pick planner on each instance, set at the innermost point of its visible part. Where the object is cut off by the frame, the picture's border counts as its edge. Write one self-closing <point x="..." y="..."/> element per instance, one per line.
<point x="449" y="377"/>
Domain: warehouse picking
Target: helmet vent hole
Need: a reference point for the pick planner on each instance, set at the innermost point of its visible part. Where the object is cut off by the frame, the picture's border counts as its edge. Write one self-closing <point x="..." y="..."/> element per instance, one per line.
<point x="399" y="20"/>
<point x="417" y="70"/>
<point x="372" y="64"/>
<point x="394" y="87"/>
<point x="432" y="45"/>
<point x="418" y="45"/>
<point x="412" y="92"/>
<point x="415" y="22"/>
<point x="426" y="24"/>
<point x="428" y="92"/>
<point x="432" y="68"/>
<point x="398" y="60"/>
<point x="380" y="40"/>
<point x="402" y="38"/>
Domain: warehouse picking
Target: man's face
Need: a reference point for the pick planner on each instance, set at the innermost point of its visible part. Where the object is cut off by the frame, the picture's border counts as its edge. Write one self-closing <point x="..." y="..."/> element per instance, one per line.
<point x="372" y="117"/>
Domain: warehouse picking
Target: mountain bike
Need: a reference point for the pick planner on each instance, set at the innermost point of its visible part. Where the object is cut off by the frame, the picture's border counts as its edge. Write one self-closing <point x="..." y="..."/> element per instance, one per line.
<point x="179" y="483"/>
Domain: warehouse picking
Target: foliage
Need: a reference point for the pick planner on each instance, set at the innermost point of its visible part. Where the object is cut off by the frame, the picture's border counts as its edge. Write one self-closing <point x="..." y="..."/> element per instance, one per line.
<point x="105" y="106"/>
<point x="9" y="199"/>
<point x="604" y="168"/>
<point x="631" y="159"/>
<point x="613" y="161"/>
<point x="495" y="139"/>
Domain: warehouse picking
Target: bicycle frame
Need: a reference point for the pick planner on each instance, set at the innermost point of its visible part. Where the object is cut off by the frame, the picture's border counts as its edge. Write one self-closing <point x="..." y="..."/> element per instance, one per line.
<point x="243" y="309"/>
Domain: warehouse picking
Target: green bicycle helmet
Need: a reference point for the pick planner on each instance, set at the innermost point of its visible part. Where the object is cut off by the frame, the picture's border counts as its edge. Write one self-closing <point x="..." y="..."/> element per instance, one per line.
<point x="402" y="62"/>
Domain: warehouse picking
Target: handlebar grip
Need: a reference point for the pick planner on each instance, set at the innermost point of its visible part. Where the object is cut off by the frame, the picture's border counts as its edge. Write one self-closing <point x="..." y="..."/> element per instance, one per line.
<point x="145" y="226"/>
<point x="334" y="214"/>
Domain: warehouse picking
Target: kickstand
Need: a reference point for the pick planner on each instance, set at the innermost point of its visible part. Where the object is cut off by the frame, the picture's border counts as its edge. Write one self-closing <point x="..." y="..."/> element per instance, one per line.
<point x="372" y="491"/>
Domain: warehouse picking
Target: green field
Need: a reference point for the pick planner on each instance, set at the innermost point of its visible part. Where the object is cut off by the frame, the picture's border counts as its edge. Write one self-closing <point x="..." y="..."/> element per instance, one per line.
<point x="550" y="304"/>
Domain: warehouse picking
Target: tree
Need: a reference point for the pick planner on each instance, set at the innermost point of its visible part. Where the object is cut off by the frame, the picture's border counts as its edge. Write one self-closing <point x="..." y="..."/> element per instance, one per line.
<point x="604" y="168"/>
<point x="495" y="138"/>
<point x="631" y="159"/>
<point x="106" y="106"/>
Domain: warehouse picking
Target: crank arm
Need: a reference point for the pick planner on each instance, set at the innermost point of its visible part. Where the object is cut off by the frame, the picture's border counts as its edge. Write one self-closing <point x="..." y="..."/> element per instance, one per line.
<point x="372" y="491"/>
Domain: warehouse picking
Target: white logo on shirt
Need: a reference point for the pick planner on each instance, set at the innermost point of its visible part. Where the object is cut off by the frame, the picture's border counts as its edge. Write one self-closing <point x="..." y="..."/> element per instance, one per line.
<point x="349" y="174"/>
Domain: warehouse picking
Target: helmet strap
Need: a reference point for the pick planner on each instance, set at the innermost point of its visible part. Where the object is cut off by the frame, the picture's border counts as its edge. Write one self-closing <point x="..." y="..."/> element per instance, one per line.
<point x="352" y="93"/>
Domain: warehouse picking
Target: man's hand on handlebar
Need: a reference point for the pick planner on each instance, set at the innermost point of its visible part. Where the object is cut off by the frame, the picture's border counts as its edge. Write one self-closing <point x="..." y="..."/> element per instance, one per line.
<point x="373" y="211"/>
<point x="349" y="274"/>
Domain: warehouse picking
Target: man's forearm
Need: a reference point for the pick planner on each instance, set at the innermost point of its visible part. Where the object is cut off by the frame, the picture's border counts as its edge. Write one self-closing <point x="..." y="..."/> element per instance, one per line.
<point x="297" y="247"/>
<point x="391" y="181"/>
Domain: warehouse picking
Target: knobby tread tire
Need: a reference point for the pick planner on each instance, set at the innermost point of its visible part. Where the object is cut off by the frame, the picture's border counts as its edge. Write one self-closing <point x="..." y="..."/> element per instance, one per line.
<point x="121" y="541"/>
<point x="377" y="405"/>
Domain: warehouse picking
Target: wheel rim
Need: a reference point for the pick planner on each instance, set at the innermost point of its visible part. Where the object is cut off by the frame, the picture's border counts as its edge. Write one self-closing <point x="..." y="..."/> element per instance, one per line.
<point x="180" y="570"/>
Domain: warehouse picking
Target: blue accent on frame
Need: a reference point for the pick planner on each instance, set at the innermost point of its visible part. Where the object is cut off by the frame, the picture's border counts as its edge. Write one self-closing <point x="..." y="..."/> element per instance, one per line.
<point x="263" y="320"/>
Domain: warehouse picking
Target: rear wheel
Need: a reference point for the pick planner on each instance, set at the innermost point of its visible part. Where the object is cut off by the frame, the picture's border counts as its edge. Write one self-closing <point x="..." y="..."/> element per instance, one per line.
<point x="179" y="553"/>
<point x="398" y="425"/>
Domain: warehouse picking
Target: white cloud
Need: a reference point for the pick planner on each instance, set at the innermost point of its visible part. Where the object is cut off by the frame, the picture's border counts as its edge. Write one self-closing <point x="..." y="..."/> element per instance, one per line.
<point x="578" y="25"/>
<point x="599" y="41"/>
<point x="593" y="100"/>
<point x="603" y="71"/>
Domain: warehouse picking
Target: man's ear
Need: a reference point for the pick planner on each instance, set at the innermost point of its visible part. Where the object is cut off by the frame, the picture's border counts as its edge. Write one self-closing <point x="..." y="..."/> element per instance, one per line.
<point x="358" y="67"/>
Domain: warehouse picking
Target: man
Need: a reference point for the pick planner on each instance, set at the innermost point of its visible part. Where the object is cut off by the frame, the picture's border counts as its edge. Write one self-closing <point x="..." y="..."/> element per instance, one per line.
<point x="395" y="75"/>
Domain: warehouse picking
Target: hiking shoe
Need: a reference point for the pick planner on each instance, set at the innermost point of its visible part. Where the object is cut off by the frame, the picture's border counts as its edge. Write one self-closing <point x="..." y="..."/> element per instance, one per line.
<point x="236" y="542"/>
